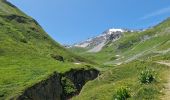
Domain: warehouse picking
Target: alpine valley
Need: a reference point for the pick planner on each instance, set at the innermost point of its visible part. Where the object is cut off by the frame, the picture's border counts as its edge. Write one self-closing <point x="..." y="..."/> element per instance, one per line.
<point x="119" y="64"/>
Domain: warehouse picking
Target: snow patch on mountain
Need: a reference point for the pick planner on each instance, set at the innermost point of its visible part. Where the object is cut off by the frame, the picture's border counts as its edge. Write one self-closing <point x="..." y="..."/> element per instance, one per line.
<point x="83" y="45"/>
<point x="115" y="30"/>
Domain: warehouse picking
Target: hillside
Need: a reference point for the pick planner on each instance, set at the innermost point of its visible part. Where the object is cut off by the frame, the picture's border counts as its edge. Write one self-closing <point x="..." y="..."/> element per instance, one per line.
<point x="27" y="54"/>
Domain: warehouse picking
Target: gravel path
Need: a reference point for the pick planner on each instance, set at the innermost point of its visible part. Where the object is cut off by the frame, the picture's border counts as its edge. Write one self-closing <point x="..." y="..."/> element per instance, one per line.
<point x="167" y="85"/>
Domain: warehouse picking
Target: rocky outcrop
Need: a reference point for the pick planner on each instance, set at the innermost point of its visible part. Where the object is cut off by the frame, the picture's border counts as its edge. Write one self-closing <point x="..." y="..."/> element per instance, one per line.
<point x="53" y="89"/>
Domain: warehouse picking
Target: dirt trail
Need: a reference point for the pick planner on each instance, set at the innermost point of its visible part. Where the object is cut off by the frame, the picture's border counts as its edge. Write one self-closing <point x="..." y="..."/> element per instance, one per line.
<point x="167" y="85"/>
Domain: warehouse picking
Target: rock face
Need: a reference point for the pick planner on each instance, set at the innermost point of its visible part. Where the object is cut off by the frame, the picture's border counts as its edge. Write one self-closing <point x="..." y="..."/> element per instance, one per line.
<point x="49" y="89"/>
<point x="52" y="88"/>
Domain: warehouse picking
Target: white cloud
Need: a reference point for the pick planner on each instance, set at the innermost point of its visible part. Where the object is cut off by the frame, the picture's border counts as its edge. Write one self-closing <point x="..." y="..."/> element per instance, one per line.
<point x="156" y="13"/>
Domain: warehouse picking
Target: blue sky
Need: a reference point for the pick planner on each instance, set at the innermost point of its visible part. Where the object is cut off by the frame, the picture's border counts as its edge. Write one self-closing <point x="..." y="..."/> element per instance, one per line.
<point x="70" y="21"/>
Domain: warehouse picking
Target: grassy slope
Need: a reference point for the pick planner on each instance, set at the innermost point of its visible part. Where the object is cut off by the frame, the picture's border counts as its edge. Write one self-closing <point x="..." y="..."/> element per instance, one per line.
<point x="136" y="51"/>
<point x="25" y="52"/>
<point x="104" y="88"/>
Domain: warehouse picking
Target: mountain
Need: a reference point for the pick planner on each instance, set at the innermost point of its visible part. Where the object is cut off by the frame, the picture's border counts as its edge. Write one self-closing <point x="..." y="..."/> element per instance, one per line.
<point x="97" y="43"/>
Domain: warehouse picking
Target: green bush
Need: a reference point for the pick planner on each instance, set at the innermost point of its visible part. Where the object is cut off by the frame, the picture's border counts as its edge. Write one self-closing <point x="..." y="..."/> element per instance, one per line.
<point x="68" y="85"/>
<point x="23" y="40"/>
<point x="146" y="76"/>
<point x="122" y="94"/>
<point x="57" y="57"/>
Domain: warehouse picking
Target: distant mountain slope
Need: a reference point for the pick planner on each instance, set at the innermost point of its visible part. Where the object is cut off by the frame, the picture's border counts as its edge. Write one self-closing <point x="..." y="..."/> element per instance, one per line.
<point x="27" y="53"/>
<point x="134" y="45"/>
<point x="125" y="61"/>
<point x="128" y="45"/>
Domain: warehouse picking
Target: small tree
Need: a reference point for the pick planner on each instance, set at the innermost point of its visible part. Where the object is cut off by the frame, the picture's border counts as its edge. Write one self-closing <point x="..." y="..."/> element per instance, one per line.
<point x="69" y="88"/>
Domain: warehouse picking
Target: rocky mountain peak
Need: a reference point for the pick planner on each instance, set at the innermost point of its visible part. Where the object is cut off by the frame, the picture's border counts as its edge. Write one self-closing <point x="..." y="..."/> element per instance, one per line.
<point x="95" y="44"/>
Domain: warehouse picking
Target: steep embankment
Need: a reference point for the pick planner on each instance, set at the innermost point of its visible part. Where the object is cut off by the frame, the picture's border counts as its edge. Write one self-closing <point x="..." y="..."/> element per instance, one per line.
<point x="28" y="54"/>
<point x="60" y="86"/>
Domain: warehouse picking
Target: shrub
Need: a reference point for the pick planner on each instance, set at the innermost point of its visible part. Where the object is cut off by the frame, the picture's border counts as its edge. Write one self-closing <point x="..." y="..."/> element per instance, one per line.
<point x="146" y="76"/>
<point x="57" y="57"/>
<point x="2" y="51"/>
<point x="23" y="40"/>
<point x="113" y="58"/>
<point x="122" y="94"/>
<point x="68" y="85"/>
